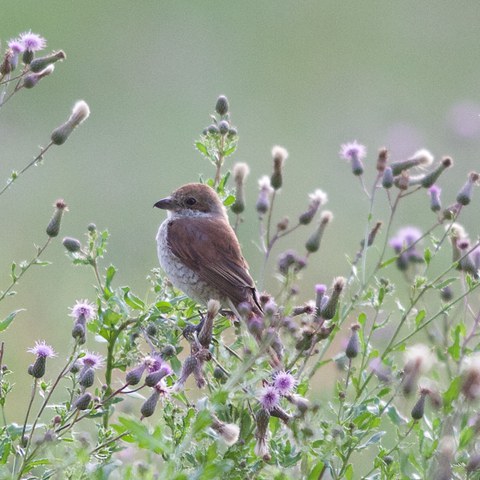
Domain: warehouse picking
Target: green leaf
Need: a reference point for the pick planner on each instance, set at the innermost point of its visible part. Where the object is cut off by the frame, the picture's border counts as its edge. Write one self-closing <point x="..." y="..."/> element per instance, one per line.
<point x="374" y="439"/>
<point x="395" y="416"/>
<point x="132" y="300"/>
<point x="316" y="471"/>
<point x="427" y="255"/>
<point x="419" y="318"/>
<point x="5" y="323"/>
<point x="455" y="349"/>
<point x="453" y="391"/>
<point x="229" y="151"/>
<point x="349" y="472"/>
<point x="388" y="262"/>
<point x="466" y="435"/>
<point x="201" y="148"/>
<point x="445" y="283"/>
<point x="362" y="318"/>
<point x="229" y="200"/>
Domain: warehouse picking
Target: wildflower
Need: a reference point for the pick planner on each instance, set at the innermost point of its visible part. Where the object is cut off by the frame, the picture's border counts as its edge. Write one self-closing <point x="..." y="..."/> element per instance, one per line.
<point x="320" y="290"/>
<point x="16" y="46"/>
<point x="154" y="377"/>
<point x="53" y="228"/>
<point x="353" y="343"/>
<point x="42" y="351"/>
<point x="221" y="106"/>
<point x="269" y="397"/>
<point x="466" y="262"/>
<point x="404" y="244"/>
<point x="471" y="378"/>
<point x="39" y="64"/>
<point x="15" y="49"/>
<point x="72" y="244"/>
<point x="261" y="434"/>
<point x="32" y="41"/>
<point x="317" y="199"/>
<point x="380" y="370"/>
<point x="382" y="160"/>
<point x="284" y="382"/>
<point x="240" y="173"/>
<point x="280" y="413"/>
<point x="354" y="152"/>
<point x="189" y="365"/>
<point x="80" y="113"/>
<point x="83" y="308"/>
<point x="419" y="407"/>
<point x="387" y="178"/>
<point x="328" y="312"/>
<point x="32" y="79"/>
<point x="313" y="243"/>
<point x="290" y="260"/>
<point x="372" y="235"/>
<point x="263" y="201"/>
<point x="464" y="196"/>
<point x="229" y="432"/>
<point x="428" y="180"/>
<point x="134" y="376"/>
<point x="90" y="362"/>
<point x="206" y="333"/>
<point x="418" y="360"/>
<point x="279" y="155"/>
<point x="83" y="401"/>
<point x="420" y="158"/>
<point x="434" y="191"/>
<point x="300" y="402"/>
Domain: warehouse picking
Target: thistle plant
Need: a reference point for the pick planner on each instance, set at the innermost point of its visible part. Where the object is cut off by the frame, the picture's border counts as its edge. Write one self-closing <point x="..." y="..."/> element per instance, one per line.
<point x="347" y="378"/>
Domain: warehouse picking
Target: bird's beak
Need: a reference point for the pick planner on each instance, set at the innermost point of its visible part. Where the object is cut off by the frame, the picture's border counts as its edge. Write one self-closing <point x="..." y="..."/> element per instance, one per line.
<point x="166" y="203"/>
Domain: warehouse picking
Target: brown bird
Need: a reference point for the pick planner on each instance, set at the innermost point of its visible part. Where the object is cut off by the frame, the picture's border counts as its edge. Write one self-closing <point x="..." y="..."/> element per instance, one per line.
<point x="199" y="251"/>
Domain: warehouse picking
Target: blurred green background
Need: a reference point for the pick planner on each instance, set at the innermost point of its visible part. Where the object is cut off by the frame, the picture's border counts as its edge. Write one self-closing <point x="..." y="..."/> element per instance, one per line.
<point x="307" y="75"/>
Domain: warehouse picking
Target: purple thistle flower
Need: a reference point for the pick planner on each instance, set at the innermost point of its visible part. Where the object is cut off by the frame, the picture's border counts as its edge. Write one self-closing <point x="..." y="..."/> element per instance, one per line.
<point x="32" y="41"/>
<point x="434" y="192"/>
<point x="269" y="397"/>
<point x="83" y="308"/>
<point x="41" y="349"/>
<point x="92" y="360"/>
<point x="284" y="382"/>
<point x="352" y="150"/>
<point x="16" y="46"/>
<point x="153" y="363"/>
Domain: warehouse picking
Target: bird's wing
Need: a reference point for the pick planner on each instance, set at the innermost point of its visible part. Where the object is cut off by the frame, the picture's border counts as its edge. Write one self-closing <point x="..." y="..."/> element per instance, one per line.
<point x="210" y="248"/>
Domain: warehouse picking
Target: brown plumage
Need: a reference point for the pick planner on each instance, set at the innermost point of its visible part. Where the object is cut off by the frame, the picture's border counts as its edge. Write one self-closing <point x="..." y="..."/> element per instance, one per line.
<point x="199" y="251"/>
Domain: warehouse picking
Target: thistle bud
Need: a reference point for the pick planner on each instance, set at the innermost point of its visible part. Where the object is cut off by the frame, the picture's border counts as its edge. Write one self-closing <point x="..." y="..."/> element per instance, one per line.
<point x="428" y="180"/>
<point x="354" y="152"/>
<point x="134" y="376"/>
<point x="446" y="294"/>
<point x="223" y="127"/>
<point x="419" y="407"/>
<point x="320" y="290"/>
<point x="83" y="401"/>
<point x="53" y="227"/>
<point x="282" y="225"/>
<point x="330" y="308"/>
<point x="7" y="65"/>
<point x="151" y="329"/>
<point x="317" y="199"/>
<point x="80" y="113"/>
<point x="154" y="377"/>
<point x="86" y="377"/>
<point x="220" y="374"/>
<point x="37" y="369"/>
<point x="149" y="406"/>
<point x="206" y="333"/>
<point x="421" y="157"/>
<point x="372" y="235"/>
<point x="72" y="244"/>
<point x="382" y="160"/>
<point x="229" y="432"/>
<point x="222" y="105"/>
<point x="261" y="434"/>
<point x="32" y="79"/>
<point x="466" y="263"/>
<point x="387" y="178"/>
<point x="402" y="181"/>
<point x="240" y="173"/>
<point x="280" y="413"/>
<point x="41" y="62"/>
<point x="464" y="196"/>
<point x="188" y="368"/>
<point x="213" y="129"/>
<point x="434" y="192"/>
<point x="263" y="201"/>
<point x="169" y="351"/>
<point x="353" y="345"/>
<point x="313" y="243"/>
<point x="279" y="155"/>
<point x="300" y="402"/>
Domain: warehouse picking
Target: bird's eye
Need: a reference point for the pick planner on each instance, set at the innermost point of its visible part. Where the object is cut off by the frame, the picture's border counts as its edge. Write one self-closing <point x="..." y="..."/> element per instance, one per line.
<point x="190" y="201"/>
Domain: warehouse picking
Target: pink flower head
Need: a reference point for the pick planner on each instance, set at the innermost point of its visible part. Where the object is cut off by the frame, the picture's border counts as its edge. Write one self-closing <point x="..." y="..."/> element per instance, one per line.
<point x="269" y="397"/>
<point x="83" y="308"/>
<point x="353" y="151"/>
<point x="16" y="46"/>
<point x="284" y="383"/>
<point x="92" y="360"/>
<point x="32" y="41"/>
<point x="153" y="363"/>
<point x="41" y="349"/>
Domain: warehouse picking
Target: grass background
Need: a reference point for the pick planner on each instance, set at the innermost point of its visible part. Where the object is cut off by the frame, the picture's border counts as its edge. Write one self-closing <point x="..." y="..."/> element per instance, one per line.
<point x="308" y="75"/>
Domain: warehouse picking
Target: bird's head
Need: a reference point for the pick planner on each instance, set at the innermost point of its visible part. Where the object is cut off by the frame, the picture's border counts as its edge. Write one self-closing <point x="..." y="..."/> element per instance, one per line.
<point x="193" y="199"/>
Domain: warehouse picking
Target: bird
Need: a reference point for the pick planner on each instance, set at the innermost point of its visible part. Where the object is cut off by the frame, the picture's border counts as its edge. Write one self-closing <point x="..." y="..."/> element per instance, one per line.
<point x="199" y="250"/>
